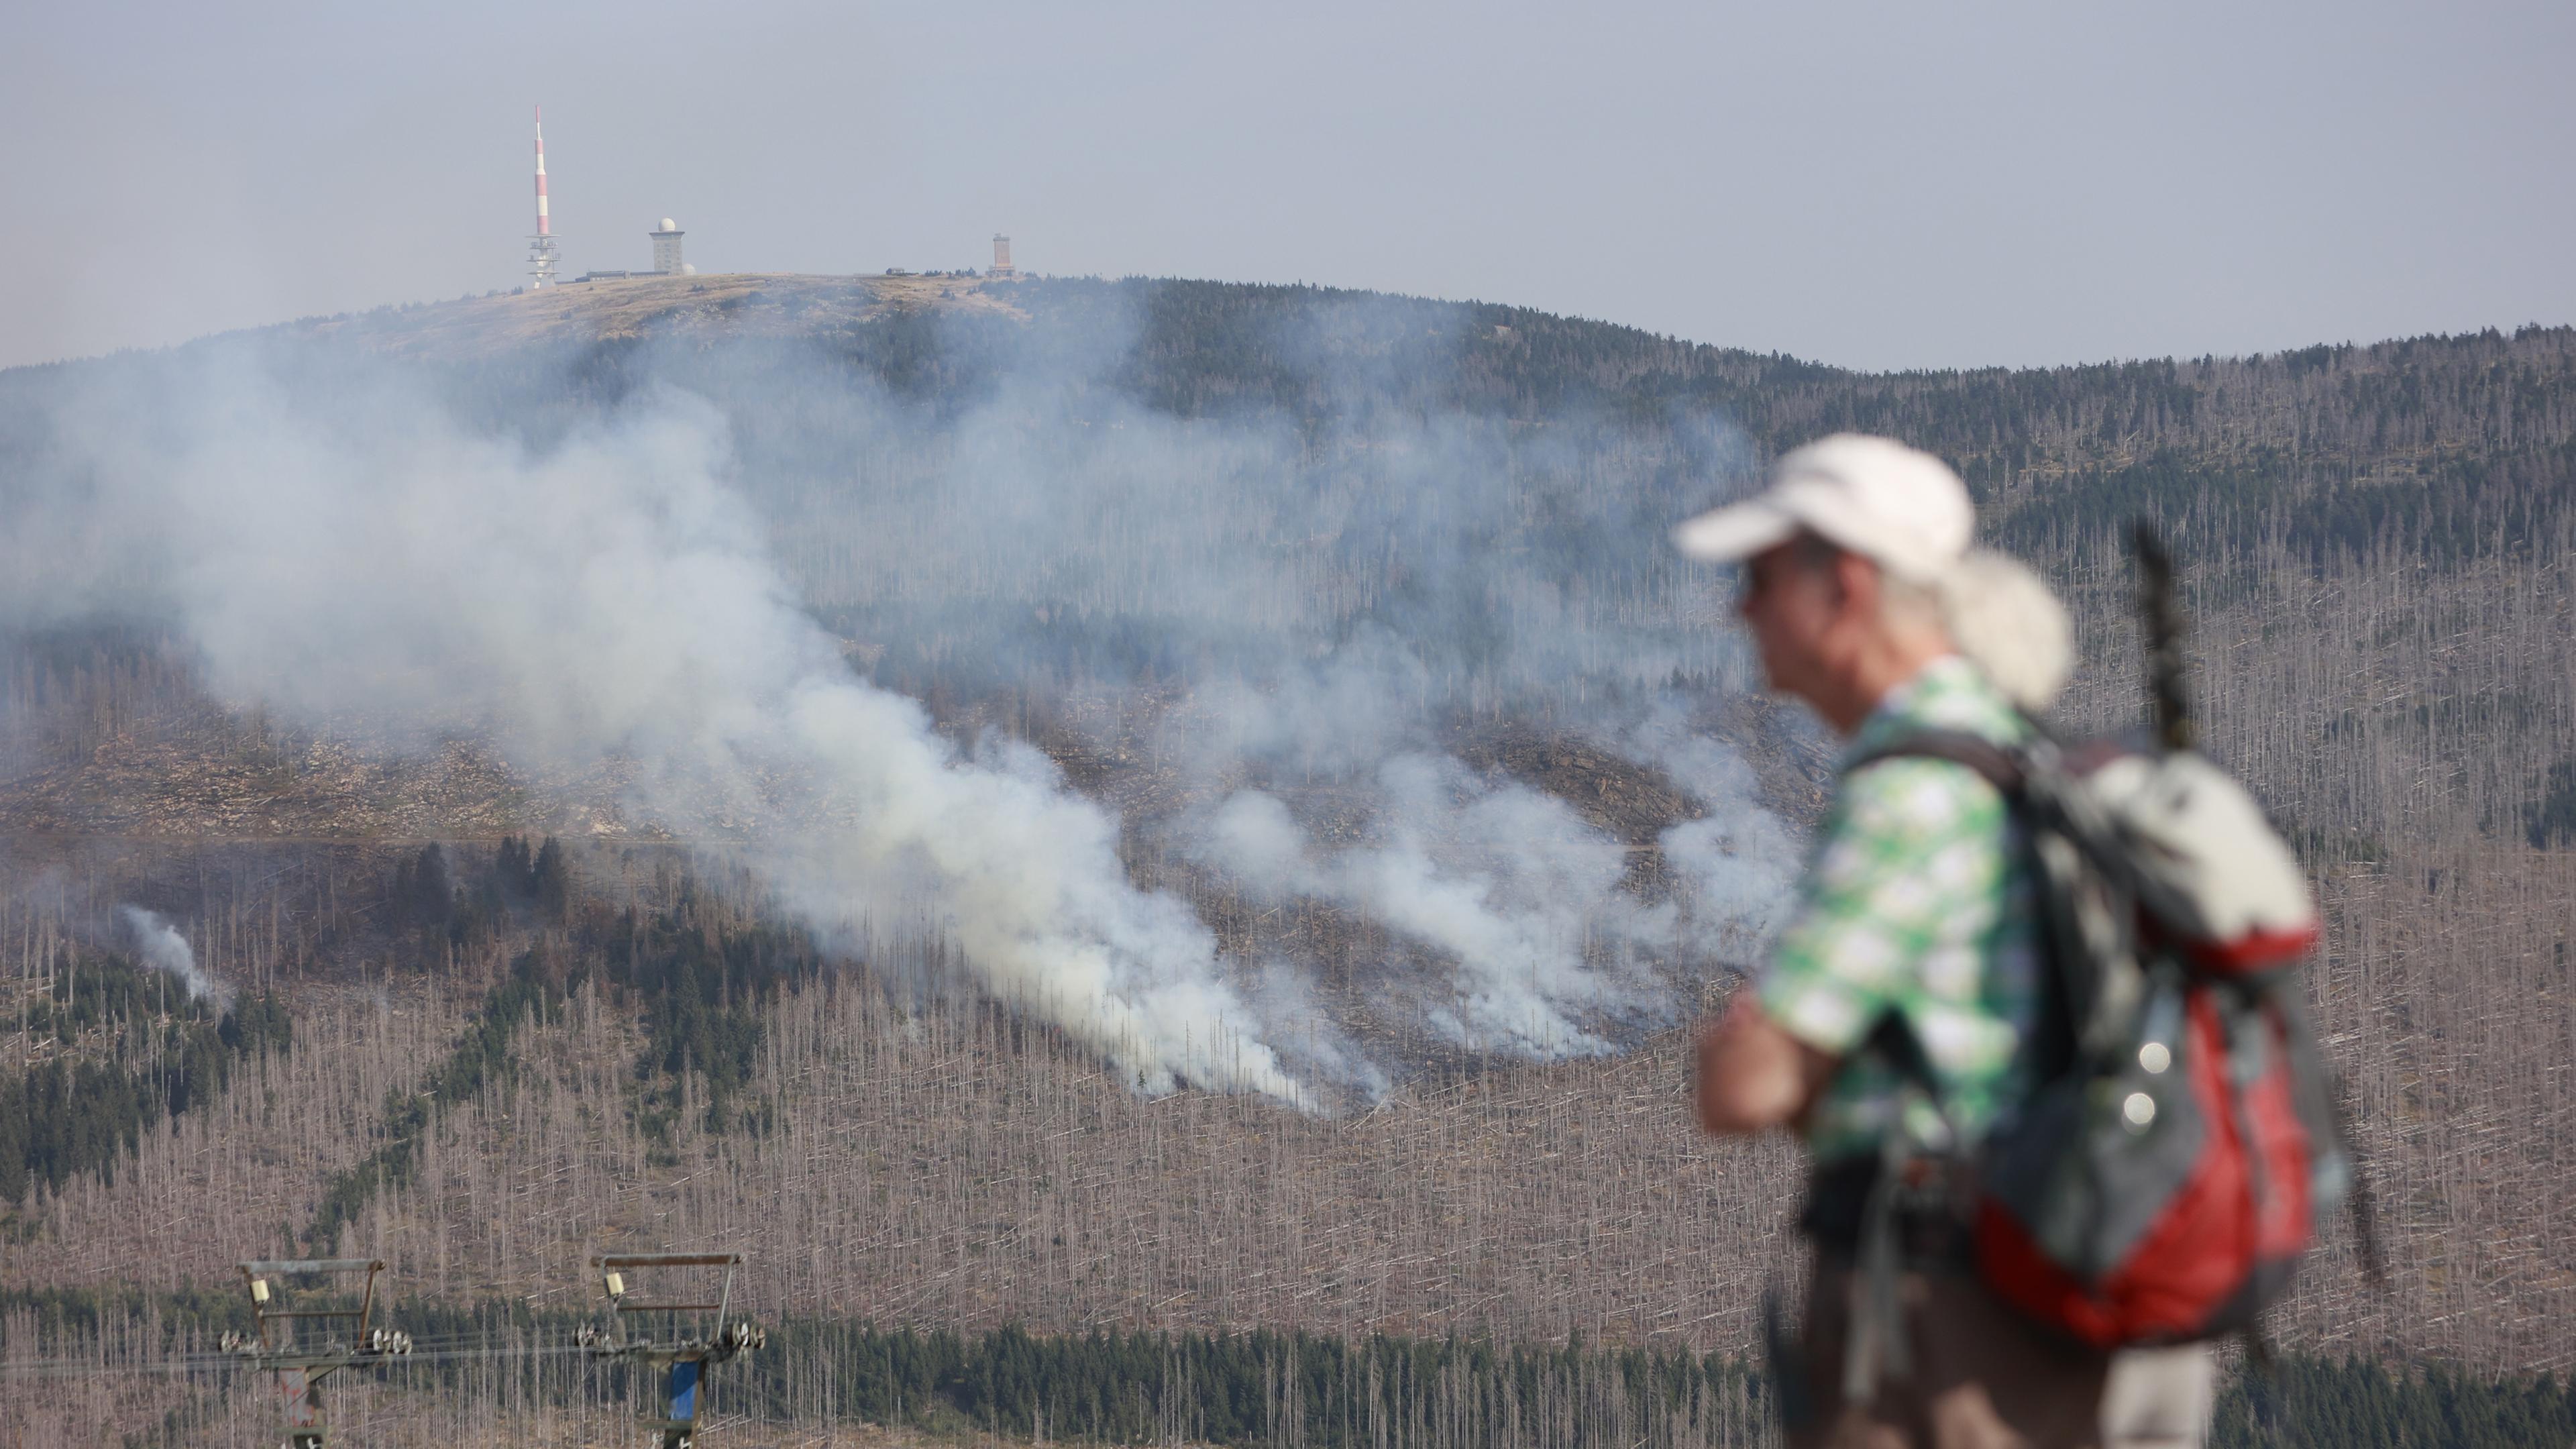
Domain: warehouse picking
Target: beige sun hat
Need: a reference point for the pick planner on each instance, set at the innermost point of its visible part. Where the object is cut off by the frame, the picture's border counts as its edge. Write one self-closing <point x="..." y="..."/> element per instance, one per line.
<point x="1897" y="506"/>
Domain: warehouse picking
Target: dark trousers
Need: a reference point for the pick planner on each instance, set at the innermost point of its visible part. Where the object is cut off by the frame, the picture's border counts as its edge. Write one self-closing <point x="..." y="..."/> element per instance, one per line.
<point x="1981" y="1376"/>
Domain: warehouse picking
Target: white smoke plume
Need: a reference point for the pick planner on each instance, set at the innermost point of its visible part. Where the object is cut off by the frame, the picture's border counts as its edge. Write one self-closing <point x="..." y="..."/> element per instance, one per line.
<point x="164" y="949"/>
<point x="1506" y="881"/>
<point x="347" y="547"/>
<point x="1534" y="905"/>
<point x="613" y="595"/>
<point x="1736" y="859"/>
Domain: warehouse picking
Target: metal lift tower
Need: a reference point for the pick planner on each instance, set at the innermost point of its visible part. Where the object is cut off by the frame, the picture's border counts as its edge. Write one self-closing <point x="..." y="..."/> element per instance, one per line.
<point x="693" y="1339"/>
<point x="541" y="247"/>
<point x="302" y="1360"/>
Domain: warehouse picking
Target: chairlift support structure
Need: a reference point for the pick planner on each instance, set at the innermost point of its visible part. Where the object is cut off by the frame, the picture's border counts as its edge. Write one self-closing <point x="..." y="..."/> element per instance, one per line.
<point x="694" y="1339"/>
<point x="302" y="1360"/>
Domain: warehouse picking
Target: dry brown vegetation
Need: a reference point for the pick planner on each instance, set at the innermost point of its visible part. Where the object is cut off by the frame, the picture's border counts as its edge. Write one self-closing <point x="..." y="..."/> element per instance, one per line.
<point x="936" y="1160"/>
<point x="633" y="308"/>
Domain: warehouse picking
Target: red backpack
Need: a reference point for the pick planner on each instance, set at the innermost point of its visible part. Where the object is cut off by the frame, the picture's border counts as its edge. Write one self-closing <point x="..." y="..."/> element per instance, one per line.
<point x="2172" y="1165"/>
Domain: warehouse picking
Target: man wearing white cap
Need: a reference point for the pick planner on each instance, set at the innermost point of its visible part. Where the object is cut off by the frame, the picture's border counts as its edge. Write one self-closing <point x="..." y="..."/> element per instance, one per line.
<point x="1914" y="952"/>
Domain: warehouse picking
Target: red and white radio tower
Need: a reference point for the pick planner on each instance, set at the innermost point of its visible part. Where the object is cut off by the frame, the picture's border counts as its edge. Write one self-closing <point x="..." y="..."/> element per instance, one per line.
<point x="541" y="247"/>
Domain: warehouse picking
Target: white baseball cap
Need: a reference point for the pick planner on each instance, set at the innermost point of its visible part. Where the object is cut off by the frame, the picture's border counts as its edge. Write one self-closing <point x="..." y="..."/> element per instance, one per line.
<point x="1899" y="507"/>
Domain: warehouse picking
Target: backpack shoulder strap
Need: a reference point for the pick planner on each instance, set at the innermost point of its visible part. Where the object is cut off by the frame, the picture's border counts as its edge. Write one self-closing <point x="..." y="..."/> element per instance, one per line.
<point x="2000" y="766"/>
<point x="2063" y="1001"/>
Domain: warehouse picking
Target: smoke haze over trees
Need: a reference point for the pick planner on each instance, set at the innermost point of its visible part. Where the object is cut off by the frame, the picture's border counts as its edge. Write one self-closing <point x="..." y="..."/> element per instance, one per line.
<point x="945" y="717"/>
<point x="1321" y="583"/>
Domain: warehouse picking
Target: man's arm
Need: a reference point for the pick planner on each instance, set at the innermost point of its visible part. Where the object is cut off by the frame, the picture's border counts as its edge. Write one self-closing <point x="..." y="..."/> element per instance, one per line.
<point x="1753" y="1075"/>
<point x="1907" y="842"/>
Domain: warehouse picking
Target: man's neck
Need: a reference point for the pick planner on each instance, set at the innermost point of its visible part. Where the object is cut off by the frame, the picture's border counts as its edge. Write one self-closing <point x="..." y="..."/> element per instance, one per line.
<point x="1879" y="672"/>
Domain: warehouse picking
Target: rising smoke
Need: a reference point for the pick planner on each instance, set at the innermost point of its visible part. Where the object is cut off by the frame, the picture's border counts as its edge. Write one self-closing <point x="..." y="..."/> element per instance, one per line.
<point x="1290" y="601"/>
<point x="164" y="949"/>
<point x="1505" y="881"/>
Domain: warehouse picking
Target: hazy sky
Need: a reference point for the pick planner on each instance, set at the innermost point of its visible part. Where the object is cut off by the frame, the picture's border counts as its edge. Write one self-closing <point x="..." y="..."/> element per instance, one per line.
<point x="1877" y="185"/>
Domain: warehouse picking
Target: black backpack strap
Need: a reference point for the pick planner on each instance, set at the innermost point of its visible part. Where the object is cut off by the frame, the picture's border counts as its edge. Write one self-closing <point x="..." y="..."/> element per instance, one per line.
<point x="2000" y="766"/>
<point x="2001" y="769"/>
<point x="2008" y="771"/>
<point x="1876" y="1345"/>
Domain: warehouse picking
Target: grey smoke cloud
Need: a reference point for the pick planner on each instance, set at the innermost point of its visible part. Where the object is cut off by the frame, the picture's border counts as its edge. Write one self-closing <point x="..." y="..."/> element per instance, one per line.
<point x="164" y="949"/>
<point x="1506" y="881"/>
<point x="1738" y="860"/>
<point x="649" y="582"/>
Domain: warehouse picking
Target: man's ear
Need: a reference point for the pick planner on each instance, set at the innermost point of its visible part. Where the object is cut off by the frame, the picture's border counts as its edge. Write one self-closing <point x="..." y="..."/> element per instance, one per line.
<point x="1855" y="585"/>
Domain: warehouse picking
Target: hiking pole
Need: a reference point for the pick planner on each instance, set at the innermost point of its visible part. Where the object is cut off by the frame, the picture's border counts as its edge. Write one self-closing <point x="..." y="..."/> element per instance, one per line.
<point x="2160" y="619"/>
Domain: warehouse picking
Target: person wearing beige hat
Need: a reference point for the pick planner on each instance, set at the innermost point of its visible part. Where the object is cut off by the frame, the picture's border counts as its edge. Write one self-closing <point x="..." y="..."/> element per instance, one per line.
<point x="1896" y="1001"/>
<point x="1903" y="516"/>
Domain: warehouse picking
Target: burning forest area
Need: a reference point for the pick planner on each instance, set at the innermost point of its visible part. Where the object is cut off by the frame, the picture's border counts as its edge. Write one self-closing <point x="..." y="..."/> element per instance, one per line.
<point x="1170" y="833"/>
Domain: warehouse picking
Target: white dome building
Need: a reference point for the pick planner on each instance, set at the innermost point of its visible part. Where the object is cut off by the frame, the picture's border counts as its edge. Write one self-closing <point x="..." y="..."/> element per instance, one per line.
<point x="666" y="251"/>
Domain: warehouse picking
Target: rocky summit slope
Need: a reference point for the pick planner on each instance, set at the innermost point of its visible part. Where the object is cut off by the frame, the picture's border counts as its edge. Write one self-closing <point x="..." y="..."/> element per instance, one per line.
<point x="737" y="304"/>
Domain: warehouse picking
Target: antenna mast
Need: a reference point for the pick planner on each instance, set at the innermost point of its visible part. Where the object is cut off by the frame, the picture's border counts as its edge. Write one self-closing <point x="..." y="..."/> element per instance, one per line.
<point x="541" y="247"/>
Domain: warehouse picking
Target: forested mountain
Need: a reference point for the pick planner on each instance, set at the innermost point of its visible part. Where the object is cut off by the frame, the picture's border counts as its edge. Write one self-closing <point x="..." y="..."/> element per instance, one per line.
<point x="1221" y="553"/>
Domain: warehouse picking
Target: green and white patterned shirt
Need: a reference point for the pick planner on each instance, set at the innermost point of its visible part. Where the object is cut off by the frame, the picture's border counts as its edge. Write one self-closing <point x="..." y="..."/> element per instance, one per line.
<point x="1916" y="902"/>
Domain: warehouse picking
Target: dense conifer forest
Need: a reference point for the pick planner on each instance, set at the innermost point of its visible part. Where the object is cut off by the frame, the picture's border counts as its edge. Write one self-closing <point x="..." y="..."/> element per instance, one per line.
<point x="131" y="1047"/>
